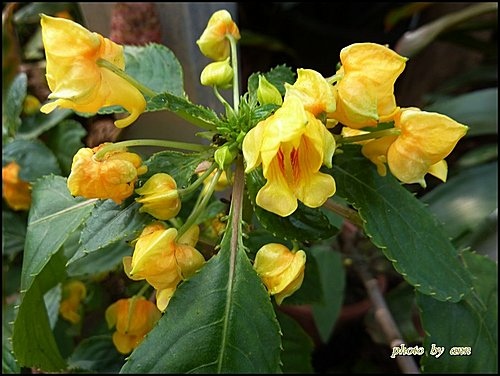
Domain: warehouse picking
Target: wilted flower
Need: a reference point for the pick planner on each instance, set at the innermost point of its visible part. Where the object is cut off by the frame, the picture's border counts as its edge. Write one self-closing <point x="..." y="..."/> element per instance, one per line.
<point x="159" y="197"/>
<point x="426" y="139"/>
<point x="281" y="270"/>
<point x="213" y="42"/>
<point x="133" y="318"/>
<point x="112" y="177"/>
<point x="365" y="88"/>
<point x="15" y="191"/>
<point x="73" y="294"/>
<point x="291" y="145"/>
<point x="162" y="261"/>
<point x="76" y="79"/>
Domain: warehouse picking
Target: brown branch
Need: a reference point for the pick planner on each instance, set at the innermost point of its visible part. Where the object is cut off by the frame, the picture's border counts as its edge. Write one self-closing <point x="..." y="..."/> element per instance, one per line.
<point x="382" y="313"/>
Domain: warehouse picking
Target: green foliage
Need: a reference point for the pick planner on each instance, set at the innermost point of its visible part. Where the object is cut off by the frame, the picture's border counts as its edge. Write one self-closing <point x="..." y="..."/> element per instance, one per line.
<point x="223" y="318"/>
<point x="394" y="218"/>
<point x="471" y="323"/>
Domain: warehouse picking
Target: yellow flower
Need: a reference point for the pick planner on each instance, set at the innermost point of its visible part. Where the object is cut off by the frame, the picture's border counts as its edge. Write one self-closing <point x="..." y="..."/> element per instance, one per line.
<point x="74" y="77"/>
<point x="73" y="294"/>
<point x="315" y="93"/>
<point x="426" y="139"/>
<point x="281" y="270"/>
<point x="162" y="261"/>
<point x="213" y="42"/>
<point x="159" y="197"/>
<point x="113" y="177"/>
<point x="291" y="145"/>
<point x="15" y="191"/>
<point x="133" y="318"/>
<point x="365" y="90"/>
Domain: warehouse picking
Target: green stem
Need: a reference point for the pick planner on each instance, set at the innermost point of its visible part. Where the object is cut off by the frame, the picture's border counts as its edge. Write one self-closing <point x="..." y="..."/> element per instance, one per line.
<point x="370" y="136"/>
<point x="345" y="212"/>
<point x="113" y="68"/>
<point x="149" y="142"/>
<point x="222" y="99"/>
<point x="234" y="63"/>
<point x="198" y="182"/>
<point x="142" y="290"/>
<point x="199" y="206"/>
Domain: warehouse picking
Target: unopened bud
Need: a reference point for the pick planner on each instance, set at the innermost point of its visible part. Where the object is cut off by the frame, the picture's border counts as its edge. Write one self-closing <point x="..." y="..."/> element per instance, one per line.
<point x="219" y="73"/>
<point x="268" y="93"/>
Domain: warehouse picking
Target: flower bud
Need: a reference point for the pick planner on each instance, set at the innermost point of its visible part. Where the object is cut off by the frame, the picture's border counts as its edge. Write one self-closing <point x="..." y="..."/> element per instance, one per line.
<point x="213" y="42"/>
<point x="15" y="191"/>
<point x="159" y="197"/>
<point x="281" y="270"/>
<point x="268" y="93"/>
<point x="219" y="74"/>
<point x="73" y="294"/>
<point x="224" y="156"/>
<point x="133" y="319"/>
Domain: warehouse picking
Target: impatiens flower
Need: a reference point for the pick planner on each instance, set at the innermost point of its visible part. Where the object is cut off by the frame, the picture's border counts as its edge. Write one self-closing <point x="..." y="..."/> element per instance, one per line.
<point x="291" y="145"/>
<point x="15" y="191"/>
<point x="133" y="318"/>
<point x="315" y="93"/>
<point x="213" y="42"/>
<point x="365" y="88"/>
<point x="281" y="270"/>
<point x="159" y="197"/>
<point x="112" y="177"/>
<point x="73" y="294"/>
<point x="75" y="78"/>
<point x="162" y="261"/>
<point x="426" y="139"/>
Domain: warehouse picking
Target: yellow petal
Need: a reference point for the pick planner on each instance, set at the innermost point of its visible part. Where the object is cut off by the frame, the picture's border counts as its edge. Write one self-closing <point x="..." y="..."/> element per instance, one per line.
<point x="376" y="151"/>
<point x="315" y="93"/>
<point x="439" y="170"/>
<point x="252" y="144"/>
<point x="163" y="297"/>
<point x="276" y="196"/>
<point x="426" y="138"/>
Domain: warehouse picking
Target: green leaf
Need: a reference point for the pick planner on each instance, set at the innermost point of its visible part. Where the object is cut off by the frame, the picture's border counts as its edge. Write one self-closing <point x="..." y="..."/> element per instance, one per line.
<point x="179" y="165"/>
<point x="332" y="276"/>
<point x="156" y="67"/>
<point x="195" y="114"/>
<point x="465" y="200"/>
<point x="32" y="340"/>
<point x="402" y="227"/>
<point x="13" y="232"/>
<point x="65" y="140"/>
<point x="54" y="215"/>
<point x="9" y="363"/>
<point x="34" y="126"/>
<point x="478" y="110"/>
<point x="297" y="346"/>
<point x="96" y="354"/>
<point x="221" y="320"/>
<point x="479" y="155"/>
<point x="471" y="323"/>
<point x="103" y="260"/>
<point x="13" y="106"/>
<point x="108" y="224"/>
<point x="34" y="158"/>
<point x="304" y="224"/>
